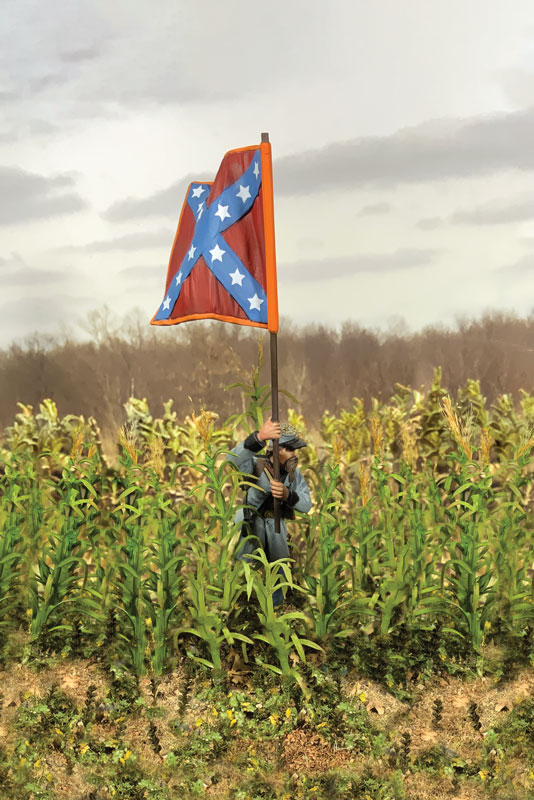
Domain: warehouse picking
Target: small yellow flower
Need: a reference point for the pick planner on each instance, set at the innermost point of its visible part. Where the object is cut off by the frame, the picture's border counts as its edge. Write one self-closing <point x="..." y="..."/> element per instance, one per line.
<point x="84" y="748"/>
<point x="274" y="719"/>
<point x="487" y="625"/>
<point x="148" y="622"/>
<point x="230" y="713"/>
<point x="233" y="722"/>
<point x="22" y="761"/>
<point x="482" y="775"/>
<point x="37" y="763"/>
<point x="27" y="743"/>
<point x="321" y="724"/>
<point x="48" y="777"/>
<point x="363" y="697"/>
<point x="58" y="731"/>
<point x="214" y="712"/>
<point x="198" y="722"/>
<point x="127" y="755"/>
<point x="29" y="612"/>
<point x="314" y="788"/>
<point x="246" y="706"/>
<point x="288" y="712"/>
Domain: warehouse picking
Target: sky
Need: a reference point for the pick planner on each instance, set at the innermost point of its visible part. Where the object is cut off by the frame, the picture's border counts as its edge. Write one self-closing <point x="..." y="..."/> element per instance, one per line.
<point x="403" y="153"/>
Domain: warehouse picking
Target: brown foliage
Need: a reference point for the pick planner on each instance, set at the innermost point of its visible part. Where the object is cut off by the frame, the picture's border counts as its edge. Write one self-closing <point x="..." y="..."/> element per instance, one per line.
<point x="193" y="364"/>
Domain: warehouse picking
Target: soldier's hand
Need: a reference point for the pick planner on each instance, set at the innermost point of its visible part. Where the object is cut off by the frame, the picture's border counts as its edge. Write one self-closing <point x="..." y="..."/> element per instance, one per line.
<point x="269" y="430"/>
<point x="278" y="489"/>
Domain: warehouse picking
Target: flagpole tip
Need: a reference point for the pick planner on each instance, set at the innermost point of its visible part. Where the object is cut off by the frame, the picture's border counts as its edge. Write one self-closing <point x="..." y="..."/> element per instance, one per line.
<point x="265" y="136"/>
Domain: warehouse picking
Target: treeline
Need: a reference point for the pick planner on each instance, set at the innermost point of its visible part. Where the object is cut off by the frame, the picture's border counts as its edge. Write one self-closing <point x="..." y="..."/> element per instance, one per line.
<point x="194" y="363"/>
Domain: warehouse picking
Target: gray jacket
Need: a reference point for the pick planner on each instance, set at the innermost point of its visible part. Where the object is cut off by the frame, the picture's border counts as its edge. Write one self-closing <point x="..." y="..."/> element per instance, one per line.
<point x="244" y="456"/>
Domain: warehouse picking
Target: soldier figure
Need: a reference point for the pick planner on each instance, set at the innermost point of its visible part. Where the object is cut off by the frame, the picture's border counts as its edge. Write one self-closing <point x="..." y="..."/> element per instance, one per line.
<point x="291" y="491"/>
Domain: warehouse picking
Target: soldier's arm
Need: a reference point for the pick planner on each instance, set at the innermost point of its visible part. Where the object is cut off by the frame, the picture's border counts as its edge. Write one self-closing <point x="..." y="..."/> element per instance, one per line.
<point x="243" y="455"/>
<point x="299" y="494"/>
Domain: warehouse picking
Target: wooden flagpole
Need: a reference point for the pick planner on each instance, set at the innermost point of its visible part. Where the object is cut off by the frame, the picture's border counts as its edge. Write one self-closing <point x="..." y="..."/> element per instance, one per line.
<point x="272" y="295"/>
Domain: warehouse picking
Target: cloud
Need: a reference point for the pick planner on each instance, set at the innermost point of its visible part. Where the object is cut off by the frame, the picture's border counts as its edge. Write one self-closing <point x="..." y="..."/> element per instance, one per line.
<point x="32" y="313"/>
<point x="375" y="208"/>
<point x="127" y="242"/>
<point x="14" y="272"/>
<point x="167" y="202"/>
<point x="145" y="273"/>
<point x="427" y="152"/>
<point x="27" y="196"/>
<point x="496" y="213"/>
<point x="320" y="269"/>
<point x="524" y="266"/>
<point x="91" y="57"/>
<point x="80" y="54"/>
<point x="429" y="223"/>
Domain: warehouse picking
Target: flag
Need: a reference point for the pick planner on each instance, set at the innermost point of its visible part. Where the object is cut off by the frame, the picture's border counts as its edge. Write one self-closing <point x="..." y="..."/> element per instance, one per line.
<point x="222" y="264"/>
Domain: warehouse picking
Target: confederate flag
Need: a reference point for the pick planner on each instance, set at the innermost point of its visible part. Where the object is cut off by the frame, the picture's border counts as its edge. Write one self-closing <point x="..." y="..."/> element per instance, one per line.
<point x="217" y="267"/>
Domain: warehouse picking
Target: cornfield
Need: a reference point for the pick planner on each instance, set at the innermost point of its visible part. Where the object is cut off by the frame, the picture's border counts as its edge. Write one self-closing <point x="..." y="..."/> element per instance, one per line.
<point x="422" y="524"/>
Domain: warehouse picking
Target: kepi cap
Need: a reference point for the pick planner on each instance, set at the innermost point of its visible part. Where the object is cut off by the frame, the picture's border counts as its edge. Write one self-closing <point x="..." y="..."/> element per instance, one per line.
<point x="290" y="437"/>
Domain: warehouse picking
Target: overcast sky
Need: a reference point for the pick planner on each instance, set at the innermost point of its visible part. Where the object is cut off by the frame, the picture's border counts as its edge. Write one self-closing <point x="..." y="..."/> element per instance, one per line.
<point x="402" y="135"/>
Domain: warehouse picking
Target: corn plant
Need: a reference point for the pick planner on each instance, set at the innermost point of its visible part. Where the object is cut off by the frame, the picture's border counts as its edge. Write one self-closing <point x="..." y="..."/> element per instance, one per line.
<point x="208" y="621"/>
<point x="165" y="583"/>
<point x="61" y="564"/>
<point x="473" y="595"/>
<point x="277" y="630"/>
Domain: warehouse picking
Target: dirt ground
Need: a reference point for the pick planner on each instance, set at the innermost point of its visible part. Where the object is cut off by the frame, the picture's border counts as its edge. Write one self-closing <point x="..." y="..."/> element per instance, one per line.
<point x="302" y="751"/>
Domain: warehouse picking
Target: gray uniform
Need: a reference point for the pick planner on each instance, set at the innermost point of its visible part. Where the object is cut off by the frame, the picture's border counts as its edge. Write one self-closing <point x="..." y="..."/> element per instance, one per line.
<point x="244" y="456"/>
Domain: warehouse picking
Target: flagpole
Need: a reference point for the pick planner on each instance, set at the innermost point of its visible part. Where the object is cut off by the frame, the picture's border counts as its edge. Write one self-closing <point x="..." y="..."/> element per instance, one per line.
<point x="272" y="294"/>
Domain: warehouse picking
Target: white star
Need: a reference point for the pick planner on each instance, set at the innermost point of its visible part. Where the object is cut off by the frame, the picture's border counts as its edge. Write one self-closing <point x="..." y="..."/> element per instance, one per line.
<point x="217" y="253"/>
<point x="167" y="303"/>
<point x="237" y="277"/>
<point x="200" y="209"/>
<point x="243" y="193"/>
<point x="179" y="278"/>
<point x="256" y="169"/>
<point x="222" y="212"/>
<point x="191" y="252"/>
<point x="255" y="302"/>
<point x="198" y="191"/>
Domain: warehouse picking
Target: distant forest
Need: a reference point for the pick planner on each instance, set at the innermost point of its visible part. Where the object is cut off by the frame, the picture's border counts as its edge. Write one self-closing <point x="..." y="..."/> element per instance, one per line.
<point x="193" y="363"/>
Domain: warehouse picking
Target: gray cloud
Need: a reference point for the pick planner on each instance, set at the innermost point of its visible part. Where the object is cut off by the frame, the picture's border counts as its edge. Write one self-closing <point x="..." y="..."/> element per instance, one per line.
<point x="20" y="316"/>
<point x="426" y="152"/>
<point x="375" y="208"/>
<point x="429" y="223"/>
<point x="320" y="269"/>
<point x="496" y="213"/>
<point x="127" y="242"/>
<point x="166" y="202"/>
<point x="80" y="54"/>
<point x="523" y="266"/>
<point x="145" y="273"/>
<point x="14" y="272"/>
<point x="28" y="196"/>
<point x="90" y="57"/>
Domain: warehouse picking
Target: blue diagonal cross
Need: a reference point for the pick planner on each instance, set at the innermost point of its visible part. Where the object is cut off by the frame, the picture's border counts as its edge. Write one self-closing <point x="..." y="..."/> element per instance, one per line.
<point x="228" y="208"/>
